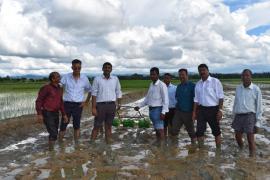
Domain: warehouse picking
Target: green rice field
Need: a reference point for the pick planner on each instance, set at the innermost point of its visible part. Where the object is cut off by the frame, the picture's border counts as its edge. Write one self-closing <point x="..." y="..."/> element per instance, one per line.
<point x="127" y="85"/>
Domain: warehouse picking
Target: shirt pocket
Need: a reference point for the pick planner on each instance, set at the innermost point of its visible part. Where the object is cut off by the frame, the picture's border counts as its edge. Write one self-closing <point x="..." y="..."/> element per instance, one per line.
<point x="155" y="94"/>
<point x="211" y="91"/>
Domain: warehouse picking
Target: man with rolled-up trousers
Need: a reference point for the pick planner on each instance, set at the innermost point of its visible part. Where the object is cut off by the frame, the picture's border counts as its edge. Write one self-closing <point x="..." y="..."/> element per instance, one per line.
<point x="208" y="103"/>
<point x="158" y="102"/>
<point x="48" y="104"/>
<point x="75" y="85"/>
<point x="247" y="111"/>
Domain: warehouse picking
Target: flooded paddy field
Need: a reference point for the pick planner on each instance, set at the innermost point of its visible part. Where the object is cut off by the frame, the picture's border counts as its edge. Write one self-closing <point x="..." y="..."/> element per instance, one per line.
<point x="135" y="154"/>
<point x="14" y="104"/>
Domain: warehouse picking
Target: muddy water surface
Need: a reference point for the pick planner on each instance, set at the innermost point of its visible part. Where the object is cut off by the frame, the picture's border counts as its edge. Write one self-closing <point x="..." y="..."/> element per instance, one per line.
<point x="134" y="154"/>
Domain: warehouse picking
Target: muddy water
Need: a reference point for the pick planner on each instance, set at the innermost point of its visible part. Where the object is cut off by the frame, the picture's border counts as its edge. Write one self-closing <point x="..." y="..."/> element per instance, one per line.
<point x="17" y="104"/>
<point x="134" y="154"/>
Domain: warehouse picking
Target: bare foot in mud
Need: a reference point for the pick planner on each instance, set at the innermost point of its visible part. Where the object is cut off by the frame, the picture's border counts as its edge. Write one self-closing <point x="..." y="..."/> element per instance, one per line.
<point x="109" y="140"/>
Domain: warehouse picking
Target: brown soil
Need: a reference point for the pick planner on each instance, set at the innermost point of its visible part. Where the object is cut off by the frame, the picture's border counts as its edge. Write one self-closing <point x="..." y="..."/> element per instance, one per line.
<point x="20" y="127"/>
<point x="135" y="154"/>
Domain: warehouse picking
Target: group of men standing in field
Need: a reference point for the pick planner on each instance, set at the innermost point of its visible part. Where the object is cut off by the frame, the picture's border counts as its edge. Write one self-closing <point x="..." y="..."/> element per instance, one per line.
<point x="170" y="106"/>
<point x="68" y="96"/>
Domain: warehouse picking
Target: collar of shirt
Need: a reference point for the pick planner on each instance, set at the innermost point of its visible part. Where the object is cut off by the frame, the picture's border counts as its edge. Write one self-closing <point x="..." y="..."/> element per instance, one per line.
<point x="208" y="79"/>
<point x="72" y="77"/>
<point x="54" y="86"/>
<point x="249" y="87"/>
<point x="171" y="87"/>
<point x="110" y="77"/>
<point x="156" y="83"/>
<point x="184" y="83"/>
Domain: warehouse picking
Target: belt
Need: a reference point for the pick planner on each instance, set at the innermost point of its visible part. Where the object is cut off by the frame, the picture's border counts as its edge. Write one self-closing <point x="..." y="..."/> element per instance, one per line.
<point x="153" y="107"/>
<point x="244" y="114"/>
<point x="208" y="107"/>
<point x="52" y="111"/>
<point x="70" y="102"/>
<point x="106" y="102"/>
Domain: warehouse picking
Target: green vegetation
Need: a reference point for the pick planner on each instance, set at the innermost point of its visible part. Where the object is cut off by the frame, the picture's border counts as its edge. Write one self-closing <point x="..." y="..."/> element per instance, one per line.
<point x="128" y="123"/>
<point x="134" y="84"/>
<point x="143" y="123"/>
<point x="254" y="80"/>
<point x="20" y="86"/>
<point x="127" y="85"/>
<point x="116" y="122"/>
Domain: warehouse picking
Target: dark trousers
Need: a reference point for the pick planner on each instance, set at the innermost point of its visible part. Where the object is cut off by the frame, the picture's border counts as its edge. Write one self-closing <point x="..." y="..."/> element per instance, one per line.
<point x="72" y="109"/>
<point x="207" y="115"/>
<point x="106" y="113"/>
<point x="51" y="121"/>
<point x="168" y="117"/>
<point x="183" y="118"/>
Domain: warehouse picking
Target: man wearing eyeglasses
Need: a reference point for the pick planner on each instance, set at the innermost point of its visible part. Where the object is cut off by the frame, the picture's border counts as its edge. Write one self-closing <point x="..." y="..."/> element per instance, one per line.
<point x="75" y="85"/>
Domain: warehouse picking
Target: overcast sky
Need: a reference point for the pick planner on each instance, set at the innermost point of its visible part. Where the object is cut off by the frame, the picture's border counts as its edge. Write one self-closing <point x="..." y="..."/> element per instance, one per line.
<point x="37" y="37"/>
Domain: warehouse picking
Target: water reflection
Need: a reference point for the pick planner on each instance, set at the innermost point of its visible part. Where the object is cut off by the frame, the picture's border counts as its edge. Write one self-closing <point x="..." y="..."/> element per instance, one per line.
<point x="16" y="104"/>
<point x="134" y="154"/>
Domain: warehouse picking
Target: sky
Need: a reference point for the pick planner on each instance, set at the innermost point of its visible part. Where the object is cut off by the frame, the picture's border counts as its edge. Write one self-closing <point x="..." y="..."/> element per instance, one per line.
<point x="38" y="37"/>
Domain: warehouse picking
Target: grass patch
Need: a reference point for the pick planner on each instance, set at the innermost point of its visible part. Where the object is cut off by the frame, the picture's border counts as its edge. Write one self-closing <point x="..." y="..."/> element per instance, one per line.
<point x="127" y="85"/>
<point x="21" y="86"/>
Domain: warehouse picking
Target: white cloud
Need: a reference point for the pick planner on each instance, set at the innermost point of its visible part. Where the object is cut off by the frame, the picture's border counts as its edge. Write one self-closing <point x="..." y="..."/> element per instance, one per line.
<point x="37" y="36"/>
<point x="28" y="34"/>
<point x="257" y="14"/>
<point x="139" y="42"/>
<point x="84" y="17"/>
<point x="203" y="31"/>
<point x="148" y="13"/>
<point x="12" y="65"/>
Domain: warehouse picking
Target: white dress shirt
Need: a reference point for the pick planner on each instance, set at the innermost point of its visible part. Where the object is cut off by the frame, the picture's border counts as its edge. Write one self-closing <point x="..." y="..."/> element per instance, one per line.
<point x="247" y="100"/>
<point x="171" y="93"/>
<point x="157" y="95"/>
<point x="106" y="89"/>
<point x="208" y="92"/>
<point x="75" y="88"/>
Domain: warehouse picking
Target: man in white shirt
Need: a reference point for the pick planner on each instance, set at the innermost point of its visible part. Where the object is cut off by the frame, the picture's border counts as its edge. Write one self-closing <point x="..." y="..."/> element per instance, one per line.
<point x="106" y="90"/>
<point x="247" y="110"/>
<point x="158" y="101"/>
<point x="167" y="78"/>
<point x="75" y="85"/>
<point x="208" y="103"/>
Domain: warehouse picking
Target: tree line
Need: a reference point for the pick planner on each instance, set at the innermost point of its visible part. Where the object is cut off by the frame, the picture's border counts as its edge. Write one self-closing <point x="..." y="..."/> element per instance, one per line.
<point x="137" y="76"/>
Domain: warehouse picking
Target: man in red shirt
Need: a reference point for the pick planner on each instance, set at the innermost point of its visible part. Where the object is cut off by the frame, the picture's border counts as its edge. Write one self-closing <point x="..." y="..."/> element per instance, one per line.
<point x="48" y="104"/>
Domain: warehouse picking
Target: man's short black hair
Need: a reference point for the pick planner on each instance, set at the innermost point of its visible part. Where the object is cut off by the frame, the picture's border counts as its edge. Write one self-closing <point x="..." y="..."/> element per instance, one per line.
<point x="247" y="70"/>
<point x="154" y="69"/>
<point x="203" y="66"/>
<point x="184" y="70"/>
<point x="168" y="74"/>
<point x="76" y="61"/>
<point x="107" y="64"/>
<point x="52" y="75"/>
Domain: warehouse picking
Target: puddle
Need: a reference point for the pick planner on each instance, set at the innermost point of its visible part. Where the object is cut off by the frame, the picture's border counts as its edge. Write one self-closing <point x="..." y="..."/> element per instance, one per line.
<point x="134" y="154"/>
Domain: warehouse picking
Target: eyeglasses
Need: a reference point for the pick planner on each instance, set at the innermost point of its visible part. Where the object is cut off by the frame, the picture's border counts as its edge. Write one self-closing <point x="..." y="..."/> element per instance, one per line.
<point x="76" y="68"/>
